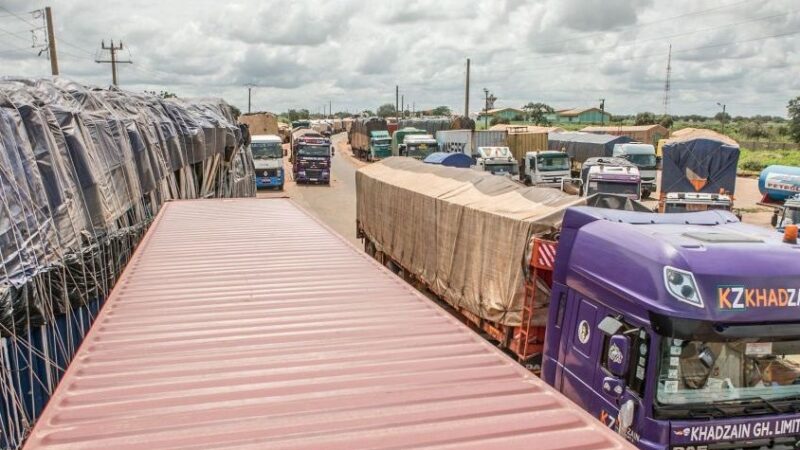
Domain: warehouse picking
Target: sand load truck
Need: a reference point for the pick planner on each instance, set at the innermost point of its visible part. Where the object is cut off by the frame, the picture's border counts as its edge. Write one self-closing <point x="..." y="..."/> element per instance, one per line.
<point x="699" y="173"/>
<point x="675" y="330"/>
<point x="369" y="139"/>
<point x="311" y="157"/>
<point x="268" y="160"/>
<point x="780" y="188"/>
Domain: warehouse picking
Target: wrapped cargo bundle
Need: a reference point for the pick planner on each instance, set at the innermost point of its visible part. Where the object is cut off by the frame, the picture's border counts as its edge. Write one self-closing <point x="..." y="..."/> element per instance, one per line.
<point x="464" y="233"/>
<point x="260" y="123"/>
<point x="82" y="173"/>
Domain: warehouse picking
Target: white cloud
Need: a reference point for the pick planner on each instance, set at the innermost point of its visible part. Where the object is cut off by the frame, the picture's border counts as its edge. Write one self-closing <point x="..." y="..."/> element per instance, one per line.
<point x="304" y="53"/>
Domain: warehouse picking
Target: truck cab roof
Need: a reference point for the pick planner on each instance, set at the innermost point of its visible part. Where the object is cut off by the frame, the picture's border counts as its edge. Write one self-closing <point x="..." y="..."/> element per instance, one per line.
<point x="741" y="273"/>
<point x="634" y="148"/>
<point x="545" y="153"/>
<point x="418" y="139"/>
<point x="495" y="152"/>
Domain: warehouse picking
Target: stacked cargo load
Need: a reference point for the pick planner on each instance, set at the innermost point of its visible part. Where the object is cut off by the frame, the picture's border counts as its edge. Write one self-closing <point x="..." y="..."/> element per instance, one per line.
<point x="85" y="170"/>
<point x="464" y="234"/>
<point x="260" y="123"/>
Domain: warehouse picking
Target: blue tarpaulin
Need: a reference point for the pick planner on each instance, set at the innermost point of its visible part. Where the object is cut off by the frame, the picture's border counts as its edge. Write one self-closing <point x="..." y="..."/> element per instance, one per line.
<point x="449" y="159"/>
<point x="582" y="146"/>
<point x="699" y="165"/>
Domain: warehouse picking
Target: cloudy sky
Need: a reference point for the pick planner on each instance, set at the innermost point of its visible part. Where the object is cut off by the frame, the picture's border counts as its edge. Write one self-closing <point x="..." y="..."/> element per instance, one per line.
<point x="305" y="53"/>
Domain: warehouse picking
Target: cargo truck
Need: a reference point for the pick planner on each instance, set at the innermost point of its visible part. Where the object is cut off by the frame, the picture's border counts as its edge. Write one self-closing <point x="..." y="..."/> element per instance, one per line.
<point x="468" y="141"/>
<point x="582" y="146"/>
<point x="780" y="188"/>
<point x="268" y="161"/>
<point x="399" y="136"/>
<point x="369" y="139"/>
<point x="545" y="168"/>
<point x="699" y="173"/>
<point x="497" y="161"/>
<point x="418" y="146"/>
<point x="644" y="157"/>
<point x="311" y="157"/>
<point x="676" y="330"/>
<point x="328" y="350"/>
<point x="607" y="176"/>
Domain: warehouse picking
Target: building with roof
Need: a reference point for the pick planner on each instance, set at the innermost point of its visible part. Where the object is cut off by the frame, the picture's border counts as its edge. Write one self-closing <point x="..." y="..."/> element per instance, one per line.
<point x="579" y="115"/>
<point x="503" y="113"/>
<point x="648" y="134"/>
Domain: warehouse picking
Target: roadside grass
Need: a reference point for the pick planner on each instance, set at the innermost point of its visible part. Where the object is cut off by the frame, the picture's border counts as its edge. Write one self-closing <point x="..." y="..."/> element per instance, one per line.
<point x="751" y="163"/>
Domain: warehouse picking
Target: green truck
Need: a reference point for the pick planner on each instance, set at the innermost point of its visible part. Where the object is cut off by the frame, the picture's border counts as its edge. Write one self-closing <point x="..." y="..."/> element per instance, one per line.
<point x="399" y="136"/>
<point x="369" y="139"/>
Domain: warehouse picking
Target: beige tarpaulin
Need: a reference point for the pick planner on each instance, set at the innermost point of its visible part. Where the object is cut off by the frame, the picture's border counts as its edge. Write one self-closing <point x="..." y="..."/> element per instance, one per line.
<point x="463" y="232"/>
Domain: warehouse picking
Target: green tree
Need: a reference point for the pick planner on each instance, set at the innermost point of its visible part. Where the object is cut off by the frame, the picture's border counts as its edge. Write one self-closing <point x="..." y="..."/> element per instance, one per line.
<point x="722" y="117"/>
<point x="753" y="130"/>
<point x="794" y="119"/>
<point x="666" y="121"/>
<point x="441" y="111"/>
<point x="645" y="118"/>
<point x="367" y="113"/>
<point x="537" y="112"/>
<point x="387" y="110"/>
<point x="162" y="94"/>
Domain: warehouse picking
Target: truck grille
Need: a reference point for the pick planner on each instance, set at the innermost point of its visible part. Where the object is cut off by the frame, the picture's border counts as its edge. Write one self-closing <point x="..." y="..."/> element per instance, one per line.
<point x="313" y="173"/>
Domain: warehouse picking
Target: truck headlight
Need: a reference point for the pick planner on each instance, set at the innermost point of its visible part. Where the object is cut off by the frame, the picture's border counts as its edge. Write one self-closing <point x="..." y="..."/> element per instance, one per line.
<point x="682" y="286"/>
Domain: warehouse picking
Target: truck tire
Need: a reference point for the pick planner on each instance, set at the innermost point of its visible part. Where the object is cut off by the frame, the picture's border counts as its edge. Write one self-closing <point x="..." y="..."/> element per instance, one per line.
<point x="645" y="193"/>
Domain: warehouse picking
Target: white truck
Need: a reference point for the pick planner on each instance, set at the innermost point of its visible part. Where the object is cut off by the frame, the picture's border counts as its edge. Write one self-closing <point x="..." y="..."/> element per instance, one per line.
<point x="644" y="157"/>
<point x="543" y="168"/>
<point x="497" y="160"/>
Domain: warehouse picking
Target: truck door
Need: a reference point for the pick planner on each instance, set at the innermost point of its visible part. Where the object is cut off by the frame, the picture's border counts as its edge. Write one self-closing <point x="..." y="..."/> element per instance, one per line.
<point x="583" y="347"/>
<point x="621" y="376"/>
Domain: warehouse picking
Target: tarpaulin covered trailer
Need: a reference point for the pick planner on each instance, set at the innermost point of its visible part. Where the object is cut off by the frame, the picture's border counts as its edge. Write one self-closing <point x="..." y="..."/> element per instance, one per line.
<point x="582" y="146"/>
<point x="197" y="348"/>
<point x="699" y="164"/>
<point x="464" y="233"/>
<point x="83" y="172"/>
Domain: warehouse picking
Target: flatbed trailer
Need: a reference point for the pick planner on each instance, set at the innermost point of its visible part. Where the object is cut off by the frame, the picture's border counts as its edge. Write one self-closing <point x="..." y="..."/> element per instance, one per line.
<point x="249" y="324"/>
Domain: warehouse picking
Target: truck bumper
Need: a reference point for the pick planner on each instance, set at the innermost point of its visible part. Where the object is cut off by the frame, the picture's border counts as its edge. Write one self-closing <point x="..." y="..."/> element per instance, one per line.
<point x="267" y="182"/>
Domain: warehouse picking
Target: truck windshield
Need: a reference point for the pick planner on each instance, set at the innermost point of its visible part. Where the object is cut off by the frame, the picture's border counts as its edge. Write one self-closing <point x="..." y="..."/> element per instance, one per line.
<point x="550" y="163"/>
<point x="266" y="150"/>
<point x="313" y="150"/>
<point x="791" y="216"/>
<point x="420" y="149"/>
<point x="697" y="374"/>
<point x="381" y="141"/>
<point x="608" y="187"/>
<point x="643" y="161"/>
<point x="674" y="207"/>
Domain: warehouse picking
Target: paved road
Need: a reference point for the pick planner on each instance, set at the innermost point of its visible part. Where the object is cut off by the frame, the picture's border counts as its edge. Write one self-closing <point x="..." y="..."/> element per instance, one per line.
<point x="335" y="205"/>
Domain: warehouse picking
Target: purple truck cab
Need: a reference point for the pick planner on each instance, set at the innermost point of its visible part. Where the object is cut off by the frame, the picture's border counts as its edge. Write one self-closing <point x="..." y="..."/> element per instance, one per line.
<point x="680" y="331"/>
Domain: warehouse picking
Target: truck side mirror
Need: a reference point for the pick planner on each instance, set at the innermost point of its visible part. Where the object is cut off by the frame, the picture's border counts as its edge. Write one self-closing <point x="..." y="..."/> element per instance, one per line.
<point x="619" y="352"/>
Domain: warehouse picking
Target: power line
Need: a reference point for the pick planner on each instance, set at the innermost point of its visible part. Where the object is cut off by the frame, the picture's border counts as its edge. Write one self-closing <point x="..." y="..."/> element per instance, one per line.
<point x="18" y="16"/>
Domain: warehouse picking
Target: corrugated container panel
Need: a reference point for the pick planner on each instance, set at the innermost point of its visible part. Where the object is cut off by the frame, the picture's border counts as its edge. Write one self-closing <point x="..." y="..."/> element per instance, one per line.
<point x="248" y="324"/>
<point x="520" y="143"/>
<point x="488" y="138"/>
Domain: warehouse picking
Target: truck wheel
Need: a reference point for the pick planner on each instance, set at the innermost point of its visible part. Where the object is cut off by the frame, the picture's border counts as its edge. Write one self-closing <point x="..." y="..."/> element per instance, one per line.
<point x="645" y="193"/>
<point x="280" y="188"/>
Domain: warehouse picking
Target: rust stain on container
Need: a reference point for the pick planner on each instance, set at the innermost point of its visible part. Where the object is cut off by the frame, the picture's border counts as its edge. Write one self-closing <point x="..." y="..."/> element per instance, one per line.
<point x="248" y="324"/>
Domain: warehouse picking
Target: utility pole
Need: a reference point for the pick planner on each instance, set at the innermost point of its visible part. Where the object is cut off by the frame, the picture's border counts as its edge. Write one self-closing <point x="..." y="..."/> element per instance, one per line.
<point x="51" y="40"/>
<point x="397" y="102"/>
<point x="402" y="108"/>
<point x="486" y="109"/>
<point x="330" y="108"/>
<point x="466" y="93"/>
<point x="602" y="111"/>
<point x="114" y="49"/>
<point x="667" y="81"/>
<point x="722" y="119"/>
<point x="249" y="96"/>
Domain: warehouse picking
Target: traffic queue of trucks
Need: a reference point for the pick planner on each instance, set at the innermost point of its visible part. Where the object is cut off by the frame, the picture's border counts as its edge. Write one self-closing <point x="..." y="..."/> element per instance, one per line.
<point x="675" y="330"/>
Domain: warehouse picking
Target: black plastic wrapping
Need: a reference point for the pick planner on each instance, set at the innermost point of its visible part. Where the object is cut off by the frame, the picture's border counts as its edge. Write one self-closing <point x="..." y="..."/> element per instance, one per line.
<point x="700" y="164"/>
